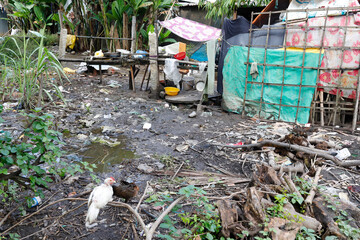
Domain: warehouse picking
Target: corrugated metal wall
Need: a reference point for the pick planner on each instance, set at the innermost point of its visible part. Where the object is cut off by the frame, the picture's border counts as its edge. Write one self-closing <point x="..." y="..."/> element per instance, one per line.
<point x="3" y="22"/>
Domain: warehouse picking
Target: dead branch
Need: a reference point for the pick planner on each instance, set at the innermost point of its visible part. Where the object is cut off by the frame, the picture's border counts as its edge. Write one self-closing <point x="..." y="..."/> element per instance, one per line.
<point x="312" y="192"/>
<point x="292" y="186"/>
<point x="7" y="216"/>
<point x="142" y="197"/>
<point x="149" y="232"/>
<point x="311" y="151"/>
<point x="177" y="171"/>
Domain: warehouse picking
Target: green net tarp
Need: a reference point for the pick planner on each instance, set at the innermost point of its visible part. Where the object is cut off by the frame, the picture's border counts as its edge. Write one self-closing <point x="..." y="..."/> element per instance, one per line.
<point x="234" y="72"/>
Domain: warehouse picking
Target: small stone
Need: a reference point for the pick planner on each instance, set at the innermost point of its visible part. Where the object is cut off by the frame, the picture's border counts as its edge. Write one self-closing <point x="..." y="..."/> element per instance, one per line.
<point x="82" y="136"/>
<point x="159" y="165"/>
<point x="72" y="52"/>
<point x="182" y="148"/>
<point x="145" y="168"/>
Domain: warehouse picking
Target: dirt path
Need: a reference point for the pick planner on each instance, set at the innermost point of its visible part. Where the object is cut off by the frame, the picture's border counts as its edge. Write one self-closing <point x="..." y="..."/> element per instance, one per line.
<point x="103" y="113"/>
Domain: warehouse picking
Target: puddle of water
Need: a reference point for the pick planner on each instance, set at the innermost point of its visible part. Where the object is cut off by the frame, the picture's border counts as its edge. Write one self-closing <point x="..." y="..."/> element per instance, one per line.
<point x="104" y="156"/>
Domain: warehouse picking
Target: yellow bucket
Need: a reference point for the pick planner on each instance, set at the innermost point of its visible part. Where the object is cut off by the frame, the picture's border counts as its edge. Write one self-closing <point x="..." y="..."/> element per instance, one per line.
<point x="171" y="91"/>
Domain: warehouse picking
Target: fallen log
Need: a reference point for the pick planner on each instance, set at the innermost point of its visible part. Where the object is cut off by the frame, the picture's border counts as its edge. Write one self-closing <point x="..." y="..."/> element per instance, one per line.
<point x="308" y="150"/>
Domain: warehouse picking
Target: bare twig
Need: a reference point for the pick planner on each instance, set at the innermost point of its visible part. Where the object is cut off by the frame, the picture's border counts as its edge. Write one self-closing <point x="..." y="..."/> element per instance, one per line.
<point x="151" y="231"/>
<point x="177" y="171"/>
<point x="7" y="216"/>
<point x="292" y="186"/>
<point x="142" y="197"/>
<point x="312" y="192"/>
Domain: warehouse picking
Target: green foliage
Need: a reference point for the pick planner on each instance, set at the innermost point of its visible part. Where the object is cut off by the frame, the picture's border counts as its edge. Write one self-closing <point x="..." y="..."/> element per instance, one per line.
<point x="27" y="69"/>
<point x="306" y="234"/>
<point x="31" y="158"/>
<point x="226" y="8"/>
<point x="203" y="221"/>
<point x="349" y="231"/>
<point x="163" y="36"/>
<point x="342" y="220"/>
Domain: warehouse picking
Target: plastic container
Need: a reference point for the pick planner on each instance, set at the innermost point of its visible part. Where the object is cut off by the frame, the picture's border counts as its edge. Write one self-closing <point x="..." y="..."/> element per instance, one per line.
<point x="171" y="91"/>
<point x="36" y="201"/>
<point x="188" y="83"/>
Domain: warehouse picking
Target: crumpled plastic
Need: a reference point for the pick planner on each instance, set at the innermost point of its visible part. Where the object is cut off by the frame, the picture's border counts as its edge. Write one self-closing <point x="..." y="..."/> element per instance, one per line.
<point x="254" y="72"/>
<point x="70" y="41"/>
<point x="172" y="72"/>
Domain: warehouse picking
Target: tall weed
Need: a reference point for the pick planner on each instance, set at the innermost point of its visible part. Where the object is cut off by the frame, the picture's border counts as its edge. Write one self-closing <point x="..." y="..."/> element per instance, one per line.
<point x="31" y="72"/>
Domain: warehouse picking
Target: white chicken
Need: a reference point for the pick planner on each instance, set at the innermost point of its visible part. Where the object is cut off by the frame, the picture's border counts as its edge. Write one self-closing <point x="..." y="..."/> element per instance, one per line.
<point x="98" y="199"/>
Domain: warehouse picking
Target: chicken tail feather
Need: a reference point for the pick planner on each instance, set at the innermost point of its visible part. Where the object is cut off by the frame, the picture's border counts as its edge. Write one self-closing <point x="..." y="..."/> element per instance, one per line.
<point x="91" y="215"/>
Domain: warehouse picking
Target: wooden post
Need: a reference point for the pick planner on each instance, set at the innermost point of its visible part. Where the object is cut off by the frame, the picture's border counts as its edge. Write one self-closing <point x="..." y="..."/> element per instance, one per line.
<point x="356" y="107"/>
<point x="154" y="67"/>
<point x="62" y="43"/>
<point x="133" y="34"/>
<point x="125" y="31"/>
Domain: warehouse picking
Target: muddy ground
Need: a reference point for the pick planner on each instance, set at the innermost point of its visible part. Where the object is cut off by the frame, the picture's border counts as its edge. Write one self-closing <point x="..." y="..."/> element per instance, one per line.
<point x="116" y="114"/>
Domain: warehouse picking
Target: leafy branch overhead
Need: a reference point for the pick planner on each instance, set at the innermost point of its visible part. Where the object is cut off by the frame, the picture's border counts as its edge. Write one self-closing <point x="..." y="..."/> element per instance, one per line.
<point x="225" y="8"/>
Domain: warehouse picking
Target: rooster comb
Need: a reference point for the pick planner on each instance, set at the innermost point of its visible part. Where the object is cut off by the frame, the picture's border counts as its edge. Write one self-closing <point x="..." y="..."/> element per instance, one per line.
<point x="112" y="179"/>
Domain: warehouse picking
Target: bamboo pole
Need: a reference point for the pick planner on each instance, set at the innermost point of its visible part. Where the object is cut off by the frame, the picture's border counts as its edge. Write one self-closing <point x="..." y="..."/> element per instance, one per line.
<point x="264" y="66"/>
<point x="247" y="65"/>
<point x="356" y="107"/>
<point x="321" y="95"/>
<point x="133" y="34"/>
<point x="285" y="51"/>
<point x="338" y="94"/>
<point x="302" y="64"/>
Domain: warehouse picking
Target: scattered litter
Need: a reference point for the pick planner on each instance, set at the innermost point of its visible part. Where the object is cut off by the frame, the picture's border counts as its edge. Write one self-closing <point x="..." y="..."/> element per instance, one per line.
<point x="61" y="88"/>
<point x="9" y="105"/>
<point x="36" y="201"/>
<point x="343" y="154"/>
<point x="113" y="84"/>
<point x="69" y="70"/>
<point x="82" y="68"/>
<point x="104" y="91"/>
<point x="147" y="126"/>
<point x="87" y="123"/>
<point x="107" y="129"/>
<point x="71" y="194"/>
<point x="110" y="142"/>
<point x="192" y="115"/>
<point x="206" y="114"/>
<point x="99" y="54"/>
<point x="354" y="188"/>
<point x="107" y="116"/>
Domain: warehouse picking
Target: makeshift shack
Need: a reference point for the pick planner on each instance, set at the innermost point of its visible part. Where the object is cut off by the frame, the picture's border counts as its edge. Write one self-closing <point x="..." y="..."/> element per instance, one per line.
<point x="302" y="68"/>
